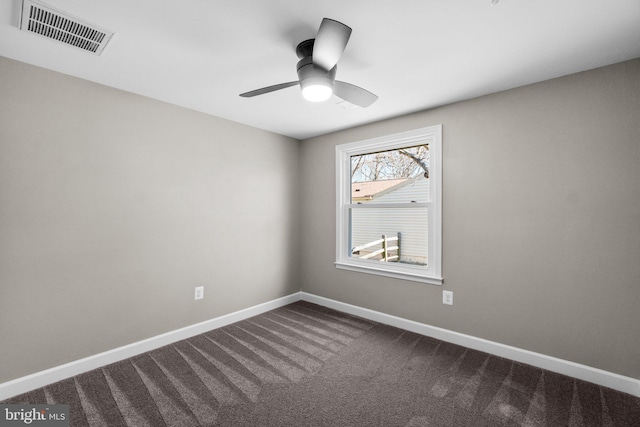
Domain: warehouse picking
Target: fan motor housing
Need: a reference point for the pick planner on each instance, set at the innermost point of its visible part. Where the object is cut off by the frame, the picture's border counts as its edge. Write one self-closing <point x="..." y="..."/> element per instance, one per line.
<point x="309" y="74"/>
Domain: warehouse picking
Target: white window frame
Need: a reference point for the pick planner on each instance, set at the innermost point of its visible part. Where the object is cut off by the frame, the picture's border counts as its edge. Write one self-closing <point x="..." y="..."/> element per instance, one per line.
<point x="432" y="273"/>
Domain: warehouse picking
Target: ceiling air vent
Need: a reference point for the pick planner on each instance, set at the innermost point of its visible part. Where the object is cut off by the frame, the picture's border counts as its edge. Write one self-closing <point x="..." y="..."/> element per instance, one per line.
<point x="53" y="24"/>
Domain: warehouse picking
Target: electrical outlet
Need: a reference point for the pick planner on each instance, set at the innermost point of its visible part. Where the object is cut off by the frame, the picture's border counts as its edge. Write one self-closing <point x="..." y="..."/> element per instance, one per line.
<point x="199" y="292"/>
<point x="447" y="297"/>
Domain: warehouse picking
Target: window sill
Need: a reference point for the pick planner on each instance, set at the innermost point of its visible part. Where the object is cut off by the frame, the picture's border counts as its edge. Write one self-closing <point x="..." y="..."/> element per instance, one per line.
<point x="396" y="274"/>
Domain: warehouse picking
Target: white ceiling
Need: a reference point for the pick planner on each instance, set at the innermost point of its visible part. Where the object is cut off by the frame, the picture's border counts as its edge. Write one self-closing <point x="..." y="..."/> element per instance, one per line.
<point x="414" y="54"/>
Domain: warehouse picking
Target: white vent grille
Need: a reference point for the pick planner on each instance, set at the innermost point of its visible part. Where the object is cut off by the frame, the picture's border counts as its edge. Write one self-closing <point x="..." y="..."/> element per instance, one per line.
<point x="346" y="105"/>
<point x="44" y="20"/>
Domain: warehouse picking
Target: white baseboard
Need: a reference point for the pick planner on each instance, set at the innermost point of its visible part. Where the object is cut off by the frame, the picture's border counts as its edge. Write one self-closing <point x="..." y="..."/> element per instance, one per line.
<point x="597" y="376"/>
<point x="68" y="370"/>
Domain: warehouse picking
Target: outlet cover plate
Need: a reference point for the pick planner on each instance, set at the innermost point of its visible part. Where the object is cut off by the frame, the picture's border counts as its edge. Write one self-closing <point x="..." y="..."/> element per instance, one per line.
<point x="199" y="293"/>
<point x="447" y="297"/>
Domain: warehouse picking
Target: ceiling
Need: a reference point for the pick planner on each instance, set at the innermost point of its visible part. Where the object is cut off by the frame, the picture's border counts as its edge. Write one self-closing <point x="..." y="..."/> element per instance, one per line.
<point x="414" y="54"/>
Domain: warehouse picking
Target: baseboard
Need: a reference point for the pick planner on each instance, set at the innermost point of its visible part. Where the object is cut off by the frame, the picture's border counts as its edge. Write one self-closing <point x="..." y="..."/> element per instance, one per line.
<point x="68" y="370"/>
<point x="597" y="376"/>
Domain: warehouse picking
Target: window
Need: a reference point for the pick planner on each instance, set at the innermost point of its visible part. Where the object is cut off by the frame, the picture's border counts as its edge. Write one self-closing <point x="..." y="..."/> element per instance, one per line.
<point x="389" y="205"/>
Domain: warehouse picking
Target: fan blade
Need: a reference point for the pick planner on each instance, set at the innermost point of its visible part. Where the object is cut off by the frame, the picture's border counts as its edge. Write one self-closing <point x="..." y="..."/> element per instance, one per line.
<point x="330" y="42"/>
<point x="268" y="89"/>
<point x="353" y="94"/>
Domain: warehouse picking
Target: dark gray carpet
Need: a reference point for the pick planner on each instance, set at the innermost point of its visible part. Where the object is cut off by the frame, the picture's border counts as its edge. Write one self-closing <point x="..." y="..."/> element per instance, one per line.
<point x="306" y="365"/>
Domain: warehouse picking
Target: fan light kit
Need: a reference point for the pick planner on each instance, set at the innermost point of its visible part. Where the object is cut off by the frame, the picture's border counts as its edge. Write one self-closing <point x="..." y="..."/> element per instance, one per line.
<point x="317" y="68"/>
<point x="317" y="92"/>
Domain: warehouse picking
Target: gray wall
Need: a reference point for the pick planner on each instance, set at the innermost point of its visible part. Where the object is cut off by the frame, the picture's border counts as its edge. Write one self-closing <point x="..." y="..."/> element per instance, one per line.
<point x="114" y="206"/>
<point x="541" y="220"/>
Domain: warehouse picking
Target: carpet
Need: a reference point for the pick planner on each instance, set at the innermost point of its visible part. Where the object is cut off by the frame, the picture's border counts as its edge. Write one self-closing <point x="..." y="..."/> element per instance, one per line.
<point x="307" y="365"/>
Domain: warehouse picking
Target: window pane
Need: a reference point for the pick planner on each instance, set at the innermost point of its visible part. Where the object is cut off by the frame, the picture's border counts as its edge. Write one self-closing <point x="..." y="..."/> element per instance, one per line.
<point x="392" y="176"/>
<point x="408" y="225"/>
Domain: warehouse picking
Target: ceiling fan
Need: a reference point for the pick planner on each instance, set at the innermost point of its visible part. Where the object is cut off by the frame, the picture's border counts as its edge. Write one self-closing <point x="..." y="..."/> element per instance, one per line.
<point x="317" y="68"/>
